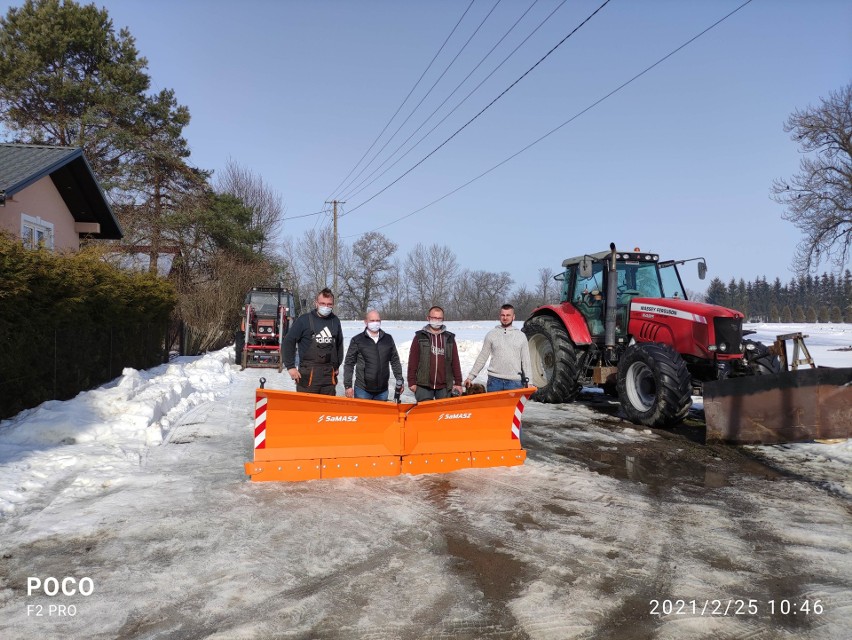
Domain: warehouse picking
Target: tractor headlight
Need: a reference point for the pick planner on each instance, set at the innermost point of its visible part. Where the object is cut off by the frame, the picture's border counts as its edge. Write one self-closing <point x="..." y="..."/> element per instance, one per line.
<point x="750" y="346"/>
<point x="723" y="347"/>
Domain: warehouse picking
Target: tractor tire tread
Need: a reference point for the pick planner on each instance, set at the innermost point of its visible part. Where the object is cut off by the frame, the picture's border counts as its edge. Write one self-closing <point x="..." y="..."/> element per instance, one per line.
<point x="673" y="384"/>
<point x="564" y="387"/>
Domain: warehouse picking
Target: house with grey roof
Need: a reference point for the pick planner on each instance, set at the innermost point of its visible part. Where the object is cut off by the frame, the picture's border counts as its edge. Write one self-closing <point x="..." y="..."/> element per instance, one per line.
<point x="49" y="196"/>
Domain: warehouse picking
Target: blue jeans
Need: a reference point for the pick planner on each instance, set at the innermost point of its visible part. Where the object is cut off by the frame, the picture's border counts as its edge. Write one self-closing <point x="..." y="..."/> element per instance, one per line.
<point x="363" y="395"/>
<point x="501" y="384"/>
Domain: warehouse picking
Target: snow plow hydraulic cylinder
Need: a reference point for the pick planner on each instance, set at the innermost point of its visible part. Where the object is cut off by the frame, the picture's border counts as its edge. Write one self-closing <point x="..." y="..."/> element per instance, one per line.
<point x="301" y="436"/>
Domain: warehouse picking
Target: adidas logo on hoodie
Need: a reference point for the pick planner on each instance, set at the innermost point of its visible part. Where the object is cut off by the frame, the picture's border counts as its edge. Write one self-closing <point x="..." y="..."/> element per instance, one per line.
<point x="324" y="336"/>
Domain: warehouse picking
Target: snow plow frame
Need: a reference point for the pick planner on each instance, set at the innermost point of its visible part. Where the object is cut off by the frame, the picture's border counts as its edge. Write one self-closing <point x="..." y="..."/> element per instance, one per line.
<point x="301" y="436"/>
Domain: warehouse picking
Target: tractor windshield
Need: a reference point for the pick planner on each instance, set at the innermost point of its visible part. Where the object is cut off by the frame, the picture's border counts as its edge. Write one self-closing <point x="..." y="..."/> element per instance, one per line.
<point x="638" y="280"/>
<point x="265" y="303"/>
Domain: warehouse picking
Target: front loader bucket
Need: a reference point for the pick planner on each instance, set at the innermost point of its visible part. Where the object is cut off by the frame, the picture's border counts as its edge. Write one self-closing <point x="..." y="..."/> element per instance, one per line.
<point x="300" y="436"/>
<point x="794" y="406"/>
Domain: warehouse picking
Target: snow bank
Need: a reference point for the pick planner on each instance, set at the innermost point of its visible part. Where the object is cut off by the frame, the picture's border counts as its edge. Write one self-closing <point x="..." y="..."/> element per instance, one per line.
<point x="106" y="427"/>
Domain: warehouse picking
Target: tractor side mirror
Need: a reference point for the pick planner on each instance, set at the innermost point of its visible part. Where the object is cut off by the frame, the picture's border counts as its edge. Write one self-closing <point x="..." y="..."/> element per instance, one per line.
<point x="586" y="267"/>
<point x="702" y="270"/>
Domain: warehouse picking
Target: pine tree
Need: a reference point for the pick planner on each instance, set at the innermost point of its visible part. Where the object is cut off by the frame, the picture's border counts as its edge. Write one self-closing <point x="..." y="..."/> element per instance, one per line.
<point x="774" y="316"/>
<point x="786" y="314"/>
<point x="778" y="292"/>
<point x="67" y="78"/>
<point x="716" y="293"/>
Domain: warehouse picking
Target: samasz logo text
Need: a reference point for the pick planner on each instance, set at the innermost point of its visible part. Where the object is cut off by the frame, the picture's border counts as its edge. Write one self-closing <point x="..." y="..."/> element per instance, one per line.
<point x="327" y="418"/>
<point x="454" y="416"/>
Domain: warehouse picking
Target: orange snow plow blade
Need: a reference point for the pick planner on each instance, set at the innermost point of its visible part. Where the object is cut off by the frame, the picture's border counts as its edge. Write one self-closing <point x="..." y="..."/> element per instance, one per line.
<point x="301" y="436"/>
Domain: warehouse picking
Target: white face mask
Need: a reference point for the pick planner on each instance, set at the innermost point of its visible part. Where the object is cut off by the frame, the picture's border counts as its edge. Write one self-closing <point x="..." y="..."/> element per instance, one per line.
<point x="374" y="326"/>
<point x="436" y="325"/>
<point x="324" y="311"/>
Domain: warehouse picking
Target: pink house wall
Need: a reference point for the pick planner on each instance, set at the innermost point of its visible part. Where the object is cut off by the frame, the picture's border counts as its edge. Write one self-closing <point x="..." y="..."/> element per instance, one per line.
<point x="41" y="200"/>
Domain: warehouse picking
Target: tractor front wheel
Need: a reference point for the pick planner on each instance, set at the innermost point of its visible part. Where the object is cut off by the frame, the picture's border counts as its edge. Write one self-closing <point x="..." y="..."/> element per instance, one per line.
<point x="760" y="359"/>
<point x="555" y="370"/>
<point x="654" y="385"/>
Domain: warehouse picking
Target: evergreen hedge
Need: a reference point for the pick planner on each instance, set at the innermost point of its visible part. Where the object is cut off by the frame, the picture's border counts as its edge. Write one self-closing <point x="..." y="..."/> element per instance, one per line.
<point x="70" y="322"/>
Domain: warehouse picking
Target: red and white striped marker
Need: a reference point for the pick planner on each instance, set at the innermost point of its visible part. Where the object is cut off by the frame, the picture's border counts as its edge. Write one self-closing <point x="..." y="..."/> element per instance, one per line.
<point x="516" y="421"/>
<point x="260" y="423"/>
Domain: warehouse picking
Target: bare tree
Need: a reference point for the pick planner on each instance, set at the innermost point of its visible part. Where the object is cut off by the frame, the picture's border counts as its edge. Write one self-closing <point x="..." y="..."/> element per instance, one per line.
<point x="264" y="203"/>
<point x="292" y="274"/>
<point x="315" y="261"/>
<point x="478" y="294"/>
<point x="397" y="303"/>
<point x="492" y="290"/>
<point x="524" y="302"/>
<point x="210" y="308"/>
<point x="545" y="285"/>
<point x="311" y="257"/>
<point x="366" y="272"/>
<point x="819" y="198"/>
<point x="430" y="272"/>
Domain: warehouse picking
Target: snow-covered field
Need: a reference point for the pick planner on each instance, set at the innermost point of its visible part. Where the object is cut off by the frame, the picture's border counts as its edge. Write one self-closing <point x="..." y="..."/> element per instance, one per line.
<point x="139" y="486"/>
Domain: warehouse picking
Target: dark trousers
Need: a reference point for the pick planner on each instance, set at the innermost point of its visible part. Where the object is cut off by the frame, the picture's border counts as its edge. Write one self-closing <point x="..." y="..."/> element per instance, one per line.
<point x="325" y="390"/>
<point x="425" y="393"/>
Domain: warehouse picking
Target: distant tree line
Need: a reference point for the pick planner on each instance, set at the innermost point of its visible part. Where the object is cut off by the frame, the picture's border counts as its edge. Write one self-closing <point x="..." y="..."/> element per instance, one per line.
<point x="372" y="275"/>
<point x="806" y="298"/>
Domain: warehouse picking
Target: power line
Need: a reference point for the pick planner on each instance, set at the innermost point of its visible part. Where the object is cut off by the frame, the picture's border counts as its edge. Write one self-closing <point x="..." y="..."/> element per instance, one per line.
<point x="359" y="188"/>
<point x="484" y="109"/>
<point x="306" y="215"/>
<point x="459" y="104"/>
<point x="568" y="121"/>
<point x="399" y="108"/>
<point x="417" y="106"/>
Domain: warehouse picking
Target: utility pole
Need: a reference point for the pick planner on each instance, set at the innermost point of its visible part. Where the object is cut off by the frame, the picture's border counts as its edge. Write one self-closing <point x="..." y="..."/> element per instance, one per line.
<point x="334" y="204"/>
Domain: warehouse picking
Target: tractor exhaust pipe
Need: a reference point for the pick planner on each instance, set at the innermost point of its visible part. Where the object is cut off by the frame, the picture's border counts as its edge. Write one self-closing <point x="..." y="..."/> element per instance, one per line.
<point x="611" y="304"/>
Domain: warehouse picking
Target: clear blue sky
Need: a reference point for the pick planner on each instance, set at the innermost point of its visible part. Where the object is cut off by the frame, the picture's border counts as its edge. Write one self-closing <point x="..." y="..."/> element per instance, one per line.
<point x="680" y="162"/>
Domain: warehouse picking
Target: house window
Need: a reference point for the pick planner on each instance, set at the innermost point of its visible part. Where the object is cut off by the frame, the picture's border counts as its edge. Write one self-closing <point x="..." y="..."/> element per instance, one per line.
<point x="36" y="232"/>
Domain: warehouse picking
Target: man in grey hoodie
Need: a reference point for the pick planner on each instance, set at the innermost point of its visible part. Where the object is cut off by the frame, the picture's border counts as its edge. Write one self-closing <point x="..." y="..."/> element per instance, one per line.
<point x="509" y="352"/>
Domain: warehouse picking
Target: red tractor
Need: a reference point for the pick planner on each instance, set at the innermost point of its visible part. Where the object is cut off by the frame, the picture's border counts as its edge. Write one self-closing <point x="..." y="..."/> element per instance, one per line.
<point x="624" y="324"/>
<point x="267" y="316"/>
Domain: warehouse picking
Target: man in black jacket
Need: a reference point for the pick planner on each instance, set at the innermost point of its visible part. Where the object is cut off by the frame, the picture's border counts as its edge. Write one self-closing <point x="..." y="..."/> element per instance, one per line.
<point x="371" y="353"/>
<point x="320" y="342"/>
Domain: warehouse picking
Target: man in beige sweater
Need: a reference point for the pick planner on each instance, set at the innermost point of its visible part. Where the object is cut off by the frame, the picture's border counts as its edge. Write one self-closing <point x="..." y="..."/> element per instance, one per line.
<point x="509" y="352"/>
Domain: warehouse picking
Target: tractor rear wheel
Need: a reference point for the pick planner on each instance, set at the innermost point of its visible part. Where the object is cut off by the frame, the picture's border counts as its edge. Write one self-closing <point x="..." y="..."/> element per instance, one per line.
<point x="654" y="385"/>
<point x="555" y="370"/>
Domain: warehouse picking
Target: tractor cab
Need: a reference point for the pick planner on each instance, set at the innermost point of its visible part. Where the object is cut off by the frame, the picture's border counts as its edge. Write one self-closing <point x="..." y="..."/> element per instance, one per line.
<point x="586" y="283"/>
<point x="265" y="302"/>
